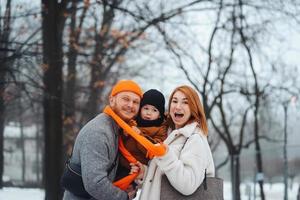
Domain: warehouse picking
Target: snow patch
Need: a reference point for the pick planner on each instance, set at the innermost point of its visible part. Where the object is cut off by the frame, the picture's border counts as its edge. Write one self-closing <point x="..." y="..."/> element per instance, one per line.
<point x="21" y="193"/>
<point x="273" y="192"/>
<point x="14" y="131"/>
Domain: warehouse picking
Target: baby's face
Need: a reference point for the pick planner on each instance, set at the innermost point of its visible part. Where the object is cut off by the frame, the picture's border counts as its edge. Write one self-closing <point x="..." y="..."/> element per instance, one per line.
<point x="149" y="112"/>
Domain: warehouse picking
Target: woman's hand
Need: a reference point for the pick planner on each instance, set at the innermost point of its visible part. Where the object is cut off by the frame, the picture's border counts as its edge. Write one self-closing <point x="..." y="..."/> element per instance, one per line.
<point x="166" y="148"/>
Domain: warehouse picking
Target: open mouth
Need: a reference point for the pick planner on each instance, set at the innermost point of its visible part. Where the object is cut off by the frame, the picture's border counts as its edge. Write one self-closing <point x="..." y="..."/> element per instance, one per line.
<point x="178" y="115"/>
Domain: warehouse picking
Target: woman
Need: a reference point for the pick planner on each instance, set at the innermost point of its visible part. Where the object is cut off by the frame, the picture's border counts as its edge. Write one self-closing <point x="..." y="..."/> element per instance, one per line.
<point x="188" y="153"/>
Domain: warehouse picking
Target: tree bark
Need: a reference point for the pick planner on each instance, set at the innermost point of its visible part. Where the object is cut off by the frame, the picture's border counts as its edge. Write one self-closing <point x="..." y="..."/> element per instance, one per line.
<point x="98" y="68"/>
<point x="22" y="142"/>
<point x="235" y="176"/>
<point x="285" y="157"/>
<point x="4" y="35"/>
<point x="70" y="90"/>
<point x="69" y="100"/>
<point x="52" y="25"/>
<point x="2" y="110"/>
<point x="37" y="153"/>
<point x="259" y="160"/>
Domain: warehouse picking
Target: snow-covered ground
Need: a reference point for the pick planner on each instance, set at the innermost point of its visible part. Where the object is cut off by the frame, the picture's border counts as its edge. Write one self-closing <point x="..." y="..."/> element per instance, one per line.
<point x="24" y="194"/>
<point x="273" y="192"/>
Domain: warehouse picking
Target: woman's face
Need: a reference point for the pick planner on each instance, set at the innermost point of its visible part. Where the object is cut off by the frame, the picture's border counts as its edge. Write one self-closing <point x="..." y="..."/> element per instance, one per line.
<point x="180" y="111"/>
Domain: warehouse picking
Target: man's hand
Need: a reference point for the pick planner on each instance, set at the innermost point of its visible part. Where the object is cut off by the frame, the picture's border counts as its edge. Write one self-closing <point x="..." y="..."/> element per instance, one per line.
<point x="137" y="167"/>
<point x="131" y="192"/>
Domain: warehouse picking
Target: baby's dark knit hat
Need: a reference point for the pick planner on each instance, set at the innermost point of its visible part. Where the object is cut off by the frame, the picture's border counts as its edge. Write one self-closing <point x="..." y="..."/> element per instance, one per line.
<point x="155" y="98"/>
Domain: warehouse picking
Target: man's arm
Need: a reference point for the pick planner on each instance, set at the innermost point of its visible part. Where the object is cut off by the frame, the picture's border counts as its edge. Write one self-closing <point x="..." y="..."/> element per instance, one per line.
<point x="94" y="164"/>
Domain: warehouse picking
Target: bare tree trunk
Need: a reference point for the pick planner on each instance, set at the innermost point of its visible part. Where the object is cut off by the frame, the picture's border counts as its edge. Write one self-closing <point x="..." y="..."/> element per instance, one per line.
<point x="22" y="137"/>
<point x="285" y="158"/>
<point x="4" y="35"/>
<point x="256" y="104"/>
<point x="70" y="91"/>
<point x="22" y="142"/>
<point x="258" y="155"/>
<point x="235" y="176"/>
<point x="69" y="108"/>
<point x="53" y="23"/>
<point x="2" y="109"/>
<point x="2" y="123"/>
<point x="37" y="153"/>
<point x="256" y="127"/>
<point x="97" y="66"/>
<point x="95" y="91"/>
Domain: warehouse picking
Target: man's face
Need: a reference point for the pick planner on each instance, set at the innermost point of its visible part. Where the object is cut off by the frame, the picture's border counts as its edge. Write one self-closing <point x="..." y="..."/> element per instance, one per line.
<point x="125" y="104"/>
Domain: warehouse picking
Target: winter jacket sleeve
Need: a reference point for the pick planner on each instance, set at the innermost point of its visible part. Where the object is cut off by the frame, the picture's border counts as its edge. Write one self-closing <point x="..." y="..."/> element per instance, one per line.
<point x="94" y="165"/>
<point x="186" y="173"/>
<point x="154" y="134"/>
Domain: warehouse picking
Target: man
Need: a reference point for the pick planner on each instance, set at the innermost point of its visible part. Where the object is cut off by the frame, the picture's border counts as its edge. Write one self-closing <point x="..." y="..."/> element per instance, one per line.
<point x="96" y="146"/>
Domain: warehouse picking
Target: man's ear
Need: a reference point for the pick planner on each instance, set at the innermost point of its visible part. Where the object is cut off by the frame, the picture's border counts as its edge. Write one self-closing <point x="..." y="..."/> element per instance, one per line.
<point x="111" y="100"/>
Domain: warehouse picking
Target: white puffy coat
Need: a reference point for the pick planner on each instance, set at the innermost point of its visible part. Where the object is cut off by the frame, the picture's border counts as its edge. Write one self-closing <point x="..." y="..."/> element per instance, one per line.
<point x="184" y="170"/>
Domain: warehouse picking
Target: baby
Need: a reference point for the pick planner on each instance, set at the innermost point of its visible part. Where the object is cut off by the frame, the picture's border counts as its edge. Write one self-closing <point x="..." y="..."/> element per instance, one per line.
<point x="150" y="124"/>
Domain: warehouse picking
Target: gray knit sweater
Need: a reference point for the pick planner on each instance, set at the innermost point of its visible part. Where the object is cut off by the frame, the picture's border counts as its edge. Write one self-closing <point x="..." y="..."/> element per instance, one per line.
<point x="95" y="149"/>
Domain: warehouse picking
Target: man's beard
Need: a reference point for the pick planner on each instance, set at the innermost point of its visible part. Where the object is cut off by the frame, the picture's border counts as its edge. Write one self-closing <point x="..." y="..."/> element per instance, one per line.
<point x="118" y="110"/>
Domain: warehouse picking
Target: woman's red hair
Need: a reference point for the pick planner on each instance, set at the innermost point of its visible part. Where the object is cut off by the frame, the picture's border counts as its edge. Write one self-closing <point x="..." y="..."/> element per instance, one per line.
<point x="194" y="102"/>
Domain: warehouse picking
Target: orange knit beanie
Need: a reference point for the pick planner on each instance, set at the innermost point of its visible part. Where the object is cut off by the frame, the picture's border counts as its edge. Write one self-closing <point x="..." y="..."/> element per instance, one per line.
<point x="126" y="85"/>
